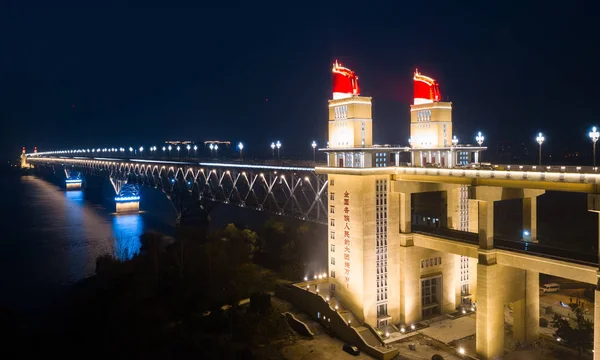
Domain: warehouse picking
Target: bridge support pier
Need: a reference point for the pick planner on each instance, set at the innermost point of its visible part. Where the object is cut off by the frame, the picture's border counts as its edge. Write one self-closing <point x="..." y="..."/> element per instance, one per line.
<point x="127" y="205"/>
<point x="73" y="185"/>
<point x="489" y="323"/>
<point x="526" y="310"/>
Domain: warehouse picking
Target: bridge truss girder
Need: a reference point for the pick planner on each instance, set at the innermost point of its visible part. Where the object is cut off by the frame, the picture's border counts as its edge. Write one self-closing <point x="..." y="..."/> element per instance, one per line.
<point x="286" y="191"/>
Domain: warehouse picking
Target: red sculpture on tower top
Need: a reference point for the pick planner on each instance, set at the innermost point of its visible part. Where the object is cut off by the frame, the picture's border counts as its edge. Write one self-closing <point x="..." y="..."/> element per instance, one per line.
<point x="427" y="90"/>
<point x="345" y="82"/>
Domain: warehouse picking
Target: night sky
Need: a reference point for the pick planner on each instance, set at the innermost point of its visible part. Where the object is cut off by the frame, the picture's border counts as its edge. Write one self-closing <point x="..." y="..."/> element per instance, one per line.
<point x="130" y="77"/>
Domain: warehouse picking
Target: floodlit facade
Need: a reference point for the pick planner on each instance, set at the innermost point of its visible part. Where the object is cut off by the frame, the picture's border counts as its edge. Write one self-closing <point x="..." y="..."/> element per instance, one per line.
<point x="373" y="268"/>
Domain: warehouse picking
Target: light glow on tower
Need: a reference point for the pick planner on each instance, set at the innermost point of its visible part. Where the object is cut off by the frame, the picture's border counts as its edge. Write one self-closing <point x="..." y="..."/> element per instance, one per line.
<point x="427" y="90"/>
<point x="345" y="82"/>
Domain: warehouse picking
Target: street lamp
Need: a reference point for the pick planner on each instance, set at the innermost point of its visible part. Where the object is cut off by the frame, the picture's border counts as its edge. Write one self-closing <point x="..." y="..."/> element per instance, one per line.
<point x="540" y="140"/>
<point x="278" y="144"/>
<point x="211" y="147"/>
<point x="479" y="138"/>
<point x="141" y="149"/>
<point x="188" y="149"/>
<point x="241" y="147"/>
<point x="178" y="148"/>
<point x="170" y="147"/>
<point x="130" y="149"/>
<point x="455" y="140"/>
<point x="216" y="150"/>
<point x="594" y="135"/>
<point x="195" y="150"/>
<point x="314" y="146"/>
<point x="273" y="150"/>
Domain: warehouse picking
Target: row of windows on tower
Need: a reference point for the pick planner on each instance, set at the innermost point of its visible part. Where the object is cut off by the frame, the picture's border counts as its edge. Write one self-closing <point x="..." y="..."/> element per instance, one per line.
<point x="424" y="115"/>
<point x="381" y="234"/>
<point x="340" y="112"/>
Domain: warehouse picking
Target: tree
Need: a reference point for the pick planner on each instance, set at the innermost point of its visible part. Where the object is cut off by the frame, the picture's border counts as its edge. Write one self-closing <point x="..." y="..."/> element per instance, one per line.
<point x="580" y="335"/>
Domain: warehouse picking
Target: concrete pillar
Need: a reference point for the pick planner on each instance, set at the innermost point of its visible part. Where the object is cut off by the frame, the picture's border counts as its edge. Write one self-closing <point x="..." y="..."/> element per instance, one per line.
<point x="489" y="323"/>
<point x="526" y="310"/>
<point x="530" y="219"/>
<point x="444" y="211"/>
<point x="596" y="325"/>
<point x="476" y="157"/>
<point x="410" y="297"/>
<point x="453" y="209"/>
<point x="412" y="158"/>
<point x="486" y="224"/>
<point x="405" y="214"/>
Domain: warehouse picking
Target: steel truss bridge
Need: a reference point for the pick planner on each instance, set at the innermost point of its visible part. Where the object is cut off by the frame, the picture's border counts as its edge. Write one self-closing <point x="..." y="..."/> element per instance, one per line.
<point x="292" y="191"/>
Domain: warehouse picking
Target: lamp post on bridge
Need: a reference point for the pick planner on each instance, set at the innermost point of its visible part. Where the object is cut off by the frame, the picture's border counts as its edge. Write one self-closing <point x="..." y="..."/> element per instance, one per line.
<point x="141" y="149"/>
<point x="170" y="147"/>
<point x="278" y="144"/>
<point x="314" y="147"/>
<point x="195" y="150"/>
<point x="211" y="147"/>
<point x="178" y="152"/>
<point x="164" y="149"/>
<point x="241" y="147"/>
<point x="479" y="138"/>
<point x="540" y="140"/>
<point x="594" y="135"/>
<point x="455" y="140"/>
<point x="216" y="150"/>
<point x="273" y="150"/>
<point x="188" y="149"/>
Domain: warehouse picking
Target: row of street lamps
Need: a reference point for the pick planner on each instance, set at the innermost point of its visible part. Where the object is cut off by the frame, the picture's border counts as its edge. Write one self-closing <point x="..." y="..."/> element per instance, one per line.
<point x="213" y="147"/>
<point x="594" y="136"/>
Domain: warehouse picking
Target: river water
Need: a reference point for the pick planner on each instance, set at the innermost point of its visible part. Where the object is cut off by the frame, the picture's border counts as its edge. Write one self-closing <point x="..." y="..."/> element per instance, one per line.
<point x="50" y="238"/>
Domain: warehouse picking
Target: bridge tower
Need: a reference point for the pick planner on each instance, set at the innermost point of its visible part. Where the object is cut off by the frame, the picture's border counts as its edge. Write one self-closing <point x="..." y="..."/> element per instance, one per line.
<point x="350" y="119"/>
<point x="24" y="163"/>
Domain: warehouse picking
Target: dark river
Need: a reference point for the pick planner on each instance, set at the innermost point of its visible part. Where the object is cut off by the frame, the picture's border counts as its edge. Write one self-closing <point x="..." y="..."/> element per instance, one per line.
<point x="50" y="238"/>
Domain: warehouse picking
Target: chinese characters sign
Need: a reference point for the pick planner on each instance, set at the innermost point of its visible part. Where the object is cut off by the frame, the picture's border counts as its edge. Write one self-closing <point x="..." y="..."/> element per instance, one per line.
<point x="347" y="237"/>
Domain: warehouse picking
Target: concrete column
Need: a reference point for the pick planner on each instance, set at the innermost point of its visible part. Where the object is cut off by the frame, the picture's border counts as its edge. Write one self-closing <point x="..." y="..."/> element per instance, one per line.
<point x="476" y="157"/>
<point x="429" y="157"/>
<point x="526" y="310"/>
<point x="439" y="157"/>
<point x="453" y="209"/>
<point x="530" y="219"/>
<point x="405" y="215"/>
<point x="596" y="325"/>
<point x="486" y="224"/>
<point x="444" y="209"/>
<point x="412" y="158"/>
<point x="489" y="323"/>
<point x="410" y="297"/>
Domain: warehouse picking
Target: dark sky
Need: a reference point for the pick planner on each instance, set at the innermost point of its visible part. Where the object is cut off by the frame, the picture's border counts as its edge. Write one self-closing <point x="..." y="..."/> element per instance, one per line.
<point x="139" y="77"/>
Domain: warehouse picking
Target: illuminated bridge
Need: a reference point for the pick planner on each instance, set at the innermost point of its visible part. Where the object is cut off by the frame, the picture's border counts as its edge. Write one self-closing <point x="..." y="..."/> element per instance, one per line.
<point x="384" y="265"/>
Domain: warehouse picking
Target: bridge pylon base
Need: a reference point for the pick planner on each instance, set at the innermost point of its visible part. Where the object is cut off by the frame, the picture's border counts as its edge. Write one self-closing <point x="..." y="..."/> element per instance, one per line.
<point x="128" y="207"/>
<point x="127" y="204"/>
<point x="73" y="186"/>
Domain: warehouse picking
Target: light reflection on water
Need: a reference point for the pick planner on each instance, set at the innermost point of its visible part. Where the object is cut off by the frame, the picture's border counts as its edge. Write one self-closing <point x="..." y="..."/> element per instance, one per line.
<point x="127" y="230"/>
<point x="53" y="237"/>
